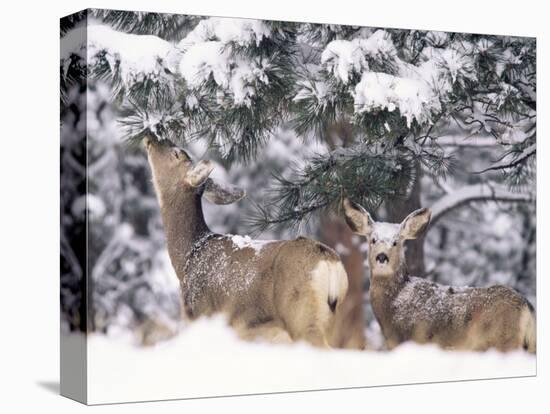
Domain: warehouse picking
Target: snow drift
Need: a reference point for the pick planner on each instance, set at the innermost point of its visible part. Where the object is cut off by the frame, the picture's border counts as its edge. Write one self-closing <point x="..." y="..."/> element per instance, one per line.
<point x="207" y="359"/>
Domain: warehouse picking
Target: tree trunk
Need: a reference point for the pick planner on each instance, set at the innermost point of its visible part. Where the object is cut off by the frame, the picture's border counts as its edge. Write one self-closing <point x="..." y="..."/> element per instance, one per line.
<point x="350" y="323"/>
<point x="399" y="208"/>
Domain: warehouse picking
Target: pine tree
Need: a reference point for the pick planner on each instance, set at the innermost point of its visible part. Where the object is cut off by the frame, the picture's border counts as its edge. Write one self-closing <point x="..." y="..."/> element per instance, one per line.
<point x="232" y="82"/>
<point x="393" y="110"/>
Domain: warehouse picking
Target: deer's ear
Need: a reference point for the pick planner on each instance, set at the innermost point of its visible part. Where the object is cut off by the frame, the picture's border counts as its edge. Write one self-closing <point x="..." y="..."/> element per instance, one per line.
<point x="198" y="174"/>
<point x="222" y="193"/>
<point x="358" y="219"/>
<point x="185" y="154"/>
<point x="415" y="224"/>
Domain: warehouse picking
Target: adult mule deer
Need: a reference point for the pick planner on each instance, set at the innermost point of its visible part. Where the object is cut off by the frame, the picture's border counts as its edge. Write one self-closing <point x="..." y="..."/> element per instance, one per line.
<point x="279" y="291"/>
<point x="412" y="308"/>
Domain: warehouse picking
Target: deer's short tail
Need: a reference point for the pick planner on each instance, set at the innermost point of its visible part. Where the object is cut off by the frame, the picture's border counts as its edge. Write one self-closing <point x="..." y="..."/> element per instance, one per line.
<point x="337" y="284"/>
<point x="529" y="329"/>
<point x="331" y="282"/>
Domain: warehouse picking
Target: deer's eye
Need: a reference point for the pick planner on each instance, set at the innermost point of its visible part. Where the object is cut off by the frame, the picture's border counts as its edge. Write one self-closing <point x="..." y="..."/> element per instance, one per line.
<point x="176" y="154"/>
<point x="373" y="240"/>
<point x="395" y="242"/>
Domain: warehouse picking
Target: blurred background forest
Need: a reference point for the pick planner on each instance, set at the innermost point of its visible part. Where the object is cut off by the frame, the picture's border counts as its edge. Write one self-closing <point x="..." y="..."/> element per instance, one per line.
<point x="291" y="113"/>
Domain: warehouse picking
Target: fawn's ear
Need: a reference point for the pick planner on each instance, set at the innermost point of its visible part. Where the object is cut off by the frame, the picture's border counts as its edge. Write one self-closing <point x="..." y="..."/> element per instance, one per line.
<point x="218" y="193"/>
<point x="184" y="154"/>
<point x="358" y="219"/>
<point x="415" y="224"/>
<point x="198" y="174"/>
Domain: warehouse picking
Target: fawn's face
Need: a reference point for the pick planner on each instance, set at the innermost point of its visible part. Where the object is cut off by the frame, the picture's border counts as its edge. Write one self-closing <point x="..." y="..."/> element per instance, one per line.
<point x="174" y="172"/>
<point x="386" y="252"/>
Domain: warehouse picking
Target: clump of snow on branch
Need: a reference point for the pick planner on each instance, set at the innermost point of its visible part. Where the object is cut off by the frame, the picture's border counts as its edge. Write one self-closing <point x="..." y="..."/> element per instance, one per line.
<point x="234" y="75"/>
<point x="442" y="69"/>
<point x="207" y="52"/>
<point x="316" y="89"/>
<point x="135" y="57"/>
<point x="382" y="91"/>
<point x="416" y="91"/>
<point x="187" y="361"/>
<point x="343" y="57"/>
<point x="202" y="60"/>
<point x="240" y="31"/>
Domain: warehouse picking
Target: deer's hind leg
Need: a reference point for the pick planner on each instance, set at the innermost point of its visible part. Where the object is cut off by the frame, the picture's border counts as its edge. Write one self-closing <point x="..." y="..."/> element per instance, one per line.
<point x="270" y="331"/>
<point x="309" y="301"/>
<point x="310" y="320"/>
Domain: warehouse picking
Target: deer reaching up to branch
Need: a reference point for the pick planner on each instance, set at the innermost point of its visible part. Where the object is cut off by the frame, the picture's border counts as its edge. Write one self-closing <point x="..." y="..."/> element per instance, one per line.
<point x="412" y="308"/>
<point x="279" y="291"/>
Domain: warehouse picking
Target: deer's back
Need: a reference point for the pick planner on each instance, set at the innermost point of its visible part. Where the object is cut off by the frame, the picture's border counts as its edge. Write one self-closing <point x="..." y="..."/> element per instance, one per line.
<point x="219" y="272"/>
<point x="456" y="317"/>
<point x="239" y="276"/>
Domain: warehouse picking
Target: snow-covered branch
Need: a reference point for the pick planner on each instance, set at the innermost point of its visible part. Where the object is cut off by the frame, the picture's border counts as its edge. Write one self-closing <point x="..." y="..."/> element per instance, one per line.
<point x="388" y="83"/>
<point x="468" y="141"/>
<point x="516" y="159"/>
<point x="128" y="57"/>
<point x="475" y="192"/>
<point x="208" y="52"/>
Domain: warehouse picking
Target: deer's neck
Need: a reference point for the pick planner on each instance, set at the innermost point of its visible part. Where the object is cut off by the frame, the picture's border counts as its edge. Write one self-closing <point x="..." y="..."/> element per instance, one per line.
<point x="184" y="226"/>
<point x="383" y="291"/>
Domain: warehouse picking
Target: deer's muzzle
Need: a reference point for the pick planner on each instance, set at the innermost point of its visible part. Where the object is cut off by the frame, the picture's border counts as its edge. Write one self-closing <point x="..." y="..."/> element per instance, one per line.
<point x="382" y="258"/>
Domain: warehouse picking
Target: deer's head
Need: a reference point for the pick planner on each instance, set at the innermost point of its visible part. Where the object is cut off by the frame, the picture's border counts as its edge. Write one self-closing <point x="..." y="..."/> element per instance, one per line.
<point x="386" y="252"/>
<point x="175" y="172"/>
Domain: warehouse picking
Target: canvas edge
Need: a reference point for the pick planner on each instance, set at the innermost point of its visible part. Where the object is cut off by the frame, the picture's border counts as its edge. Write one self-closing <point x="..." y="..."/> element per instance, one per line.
<point x="73" y="345"/>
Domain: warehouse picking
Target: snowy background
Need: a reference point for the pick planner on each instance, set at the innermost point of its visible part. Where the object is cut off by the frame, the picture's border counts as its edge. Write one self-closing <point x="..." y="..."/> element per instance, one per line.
<point x="134" y="295"/>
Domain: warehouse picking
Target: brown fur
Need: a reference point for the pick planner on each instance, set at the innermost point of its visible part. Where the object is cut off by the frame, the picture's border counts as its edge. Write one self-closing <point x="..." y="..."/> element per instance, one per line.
<point x="411" y="308"/>
<point x="279" y="291"/>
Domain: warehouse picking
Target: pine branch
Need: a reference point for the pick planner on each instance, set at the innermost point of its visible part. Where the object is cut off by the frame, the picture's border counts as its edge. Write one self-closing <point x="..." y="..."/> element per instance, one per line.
<point x="158" y="115"/>
<point x="172" y="27"/>
<point x="517" y="158"/>
<point x="476" y="141"/>
<point x="239" y="130"/>
<point x="318" y="103"/>
<point x="357" y="173"/>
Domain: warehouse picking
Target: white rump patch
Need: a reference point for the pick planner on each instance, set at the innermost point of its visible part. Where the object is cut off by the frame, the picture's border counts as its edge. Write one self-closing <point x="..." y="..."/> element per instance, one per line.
<point x="331" y="280"/>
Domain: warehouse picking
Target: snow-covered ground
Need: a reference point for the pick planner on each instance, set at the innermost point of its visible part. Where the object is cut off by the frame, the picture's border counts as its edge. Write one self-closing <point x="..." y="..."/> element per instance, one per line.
<point x="207" y="359"/>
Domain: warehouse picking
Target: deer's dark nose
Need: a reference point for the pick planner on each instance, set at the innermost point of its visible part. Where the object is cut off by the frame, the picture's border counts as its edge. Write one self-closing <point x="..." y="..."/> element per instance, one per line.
<point x="382" y="258"/>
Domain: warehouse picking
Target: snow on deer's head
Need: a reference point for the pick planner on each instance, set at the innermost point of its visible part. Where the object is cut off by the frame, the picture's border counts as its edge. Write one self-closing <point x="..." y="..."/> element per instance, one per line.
<point x="175" y="172"/>
<point x="386" y="252"/>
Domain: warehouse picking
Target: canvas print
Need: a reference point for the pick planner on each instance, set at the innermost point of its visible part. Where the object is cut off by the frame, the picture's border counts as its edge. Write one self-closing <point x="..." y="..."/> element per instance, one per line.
<point x="253" y="206"/>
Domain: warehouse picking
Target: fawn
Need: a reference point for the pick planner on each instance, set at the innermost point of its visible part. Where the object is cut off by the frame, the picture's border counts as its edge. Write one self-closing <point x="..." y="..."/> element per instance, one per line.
<point x="412" y="308"/>
<point x="280" y="291"/>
